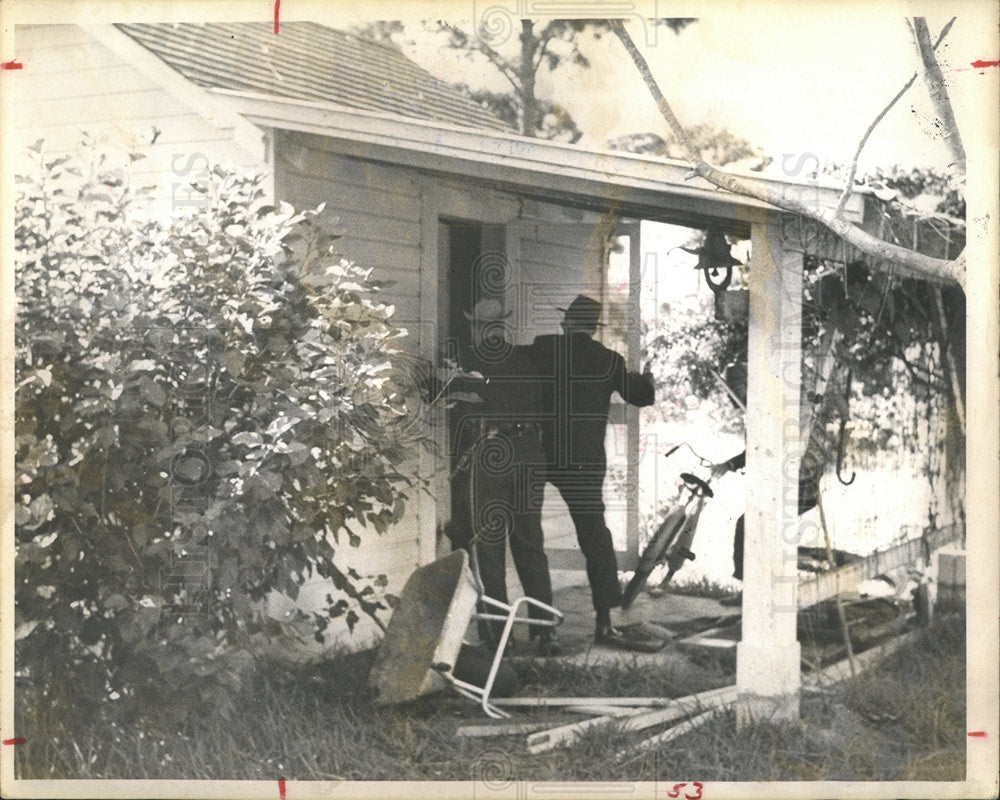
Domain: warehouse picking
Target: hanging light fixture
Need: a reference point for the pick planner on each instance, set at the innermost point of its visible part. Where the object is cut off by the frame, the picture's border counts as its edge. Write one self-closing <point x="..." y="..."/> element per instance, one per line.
<point x="716" y="261"/>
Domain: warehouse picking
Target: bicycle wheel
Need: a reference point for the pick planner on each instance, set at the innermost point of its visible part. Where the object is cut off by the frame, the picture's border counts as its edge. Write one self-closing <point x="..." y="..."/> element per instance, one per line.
<point x="654" y="553"/>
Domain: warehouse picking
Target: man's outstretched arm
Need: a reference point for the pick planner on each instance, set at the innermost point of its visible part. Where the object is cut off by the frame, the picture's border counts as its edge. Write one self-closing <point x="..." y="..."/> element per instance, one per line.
<point x="636" y="388"/>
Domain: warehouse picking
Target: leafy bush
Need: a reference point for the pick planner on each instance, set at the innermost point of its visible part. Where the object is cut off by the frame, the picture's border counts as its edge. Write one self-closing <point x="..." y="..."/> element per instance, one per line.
<point x="207" y="410"/>
<point x="689" y="349"/>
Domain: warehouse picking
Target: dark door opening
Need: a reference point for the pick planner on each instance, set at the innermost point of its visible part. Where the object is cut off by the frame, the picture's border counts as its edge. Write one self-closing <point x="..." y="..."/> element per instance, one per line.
<point x="473" y="268"/>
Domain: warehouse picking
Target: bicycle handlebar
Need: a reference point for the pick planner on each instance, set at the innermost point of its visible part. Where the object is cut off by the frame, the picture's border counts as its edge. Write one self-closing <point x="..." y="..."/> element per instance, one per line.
<point x="694" y="452"/>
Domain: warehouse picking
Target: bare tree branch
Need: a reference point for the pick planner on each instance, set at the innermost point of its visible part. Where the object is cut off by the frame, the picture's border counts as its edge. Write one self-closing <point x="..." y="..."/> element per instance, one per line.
<point x="910" y="260"/>
<point x="552" y="31"/>
<point x="537" y="63"/>
<point x="939" y="93"/>
<point x="849" y="185"/>
<point x="529" y="102"/>
<point x="498" y="61"/>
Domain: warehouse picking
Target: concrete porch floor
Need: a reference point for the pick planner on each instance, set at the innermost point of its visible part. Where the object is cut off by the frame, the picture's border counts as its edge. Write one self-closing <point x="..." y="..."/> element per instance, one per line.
<point x="654" y="614"/>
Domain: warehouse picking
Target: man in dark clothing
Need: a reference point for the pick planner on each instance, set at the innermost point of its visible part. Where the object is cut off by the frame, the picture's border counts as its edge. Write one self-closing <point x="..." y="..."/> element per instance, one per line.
<point x="578" y="376"/>
<point x="504" y="476"/>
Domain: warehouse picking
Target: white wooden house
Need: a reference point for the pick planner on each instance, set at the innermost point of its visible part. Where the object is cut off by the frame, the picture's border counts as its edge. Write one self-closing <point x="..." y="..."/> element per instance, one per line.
<point x="428" y="187"/>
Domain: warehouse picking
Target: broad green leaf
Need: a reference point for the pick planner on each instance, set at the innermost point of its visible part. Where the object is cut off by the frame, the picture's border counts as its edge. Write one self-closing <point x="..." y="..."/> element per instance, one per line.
<point x="190" y="470"/>
<point x="116" y="602"/>
<point x="298" y="453"/>
<point x="167" y="352"/>
<point x="248" y="439"/>
<point x="234" y="361"/>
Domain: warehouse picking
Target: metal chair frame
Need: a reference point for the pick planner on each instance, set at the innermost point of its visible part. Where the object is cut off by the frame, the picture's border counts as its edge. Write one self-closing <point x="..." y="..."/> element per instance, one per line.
<point x="509" y="611"/>
<point x="509" y="617"/>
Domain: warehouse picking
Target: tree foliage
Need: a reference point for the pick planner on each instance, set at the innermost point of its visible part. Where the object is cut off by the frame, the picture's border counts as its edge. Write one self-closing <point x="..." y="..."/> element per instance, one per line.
<point x="887" y="395"/>
<point x="901" y="314"/>
<point x="207" y="411"/>
<point x="385" y="32"/>
<point x="900" y="347"/>
<point x="690" y="352"/>
<point x="939" y="192"/>
<point x="717" y="145"/>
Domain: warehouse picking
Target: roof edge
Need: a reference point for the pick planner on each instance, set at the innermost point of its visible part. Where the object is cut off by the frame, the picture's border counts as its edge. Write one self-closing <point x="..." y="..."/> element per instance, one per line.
<point x="506" y="151"/>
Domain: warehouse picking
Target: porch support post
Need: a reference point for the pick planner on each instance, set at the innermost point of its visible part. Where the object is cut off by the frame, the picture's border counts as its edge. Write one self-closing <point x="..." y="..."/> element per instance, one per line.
<point x="633" y="342"/>
<point x="768" y="656"/>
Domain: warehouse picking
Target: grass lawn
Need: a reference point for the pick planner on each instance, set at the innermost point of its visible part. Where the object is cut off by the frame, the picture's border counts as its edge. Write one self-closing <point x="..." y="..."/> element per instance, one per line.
<point x="902" y="720"/>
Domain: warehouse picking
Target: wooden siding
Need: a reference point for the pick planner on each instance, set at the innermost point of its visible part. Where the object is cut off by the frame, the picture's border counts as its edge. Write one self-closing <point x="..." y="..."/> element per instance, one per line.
<point x="555" y="261"/>
<point x="73" y="83"/>
<point x="378" y="210"/>
<point x="389" y="216"/>
<point x="376" y="207"/>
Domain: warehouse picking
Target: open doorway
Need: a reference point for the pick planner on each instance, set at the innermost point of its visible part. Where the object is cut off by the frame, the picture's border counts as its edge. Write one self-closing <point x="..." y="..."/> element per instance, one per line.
<point x="474" y="267"/>
<point x="694" y="344"/>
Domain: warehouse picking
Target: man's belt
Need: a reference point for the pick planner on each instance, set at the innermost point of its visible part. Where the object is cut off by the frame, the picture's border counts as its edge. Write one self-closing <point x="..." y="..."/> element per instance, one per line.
<point x="515" y="428"/>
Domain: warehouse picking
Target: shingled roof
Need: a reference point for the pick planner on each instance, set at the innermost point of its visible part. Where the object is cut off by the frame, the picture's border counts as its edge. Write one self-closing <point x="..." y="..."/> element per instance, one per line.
<point x="309" y="61"/>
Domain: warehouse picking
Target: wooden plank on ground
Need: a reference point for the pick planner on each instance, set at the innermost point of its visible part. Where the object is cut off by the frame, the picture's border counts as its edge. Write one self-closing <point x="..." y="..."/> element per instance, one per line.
<point x="602" y="711"/>
<point x="849" y="577"/>
<point x="503" y="728"/>
<point x="562" y="702"/>
<point x="513" y="728"/>
<point x="544" y="741"/>
<point x="673" y="733"/>
<point x="841" y="670"/>
<point x="709" y="640"/>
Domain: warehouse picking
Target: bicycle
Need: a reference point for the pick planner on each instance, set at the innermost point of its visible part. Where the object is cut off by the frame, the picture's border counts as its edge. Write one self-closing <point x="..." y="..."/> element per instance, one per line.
<point x="671" y="544"/>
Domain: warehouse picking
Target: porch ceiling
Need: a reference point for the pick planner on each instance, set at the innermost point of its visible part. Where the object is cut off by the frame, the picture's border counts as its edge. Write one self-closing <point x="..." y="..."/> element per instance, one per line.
<point x="643" y="187"/>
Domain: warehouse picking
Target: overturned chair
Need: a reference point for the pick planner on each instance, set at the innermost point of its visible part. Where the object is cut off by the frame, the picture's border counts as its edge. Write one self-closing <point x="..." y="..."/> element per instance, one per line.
<point x="425" y="633"/>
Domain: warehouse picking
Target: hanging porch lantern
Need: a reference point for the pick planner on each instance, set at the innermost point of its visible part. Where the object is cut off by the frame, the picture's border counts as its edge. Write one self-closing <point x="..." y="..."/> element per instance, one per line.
<point x="717" y="262"/>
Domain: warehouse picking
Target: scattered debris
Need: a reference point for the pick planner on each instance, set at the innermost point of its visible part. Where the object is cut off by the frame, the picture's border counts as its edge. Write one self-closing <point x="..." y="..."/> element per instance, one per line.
<point x="639" y="719"/>
<point x="670" y="734"/>
<point x="628" y="714"/>
<point x="565" y="702"/>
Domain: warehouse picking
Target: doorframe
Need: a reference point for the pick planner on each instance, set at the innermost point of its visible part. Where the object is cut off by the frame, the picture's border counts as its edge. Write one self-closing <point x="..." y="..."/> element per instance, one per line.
<point x="448" y="200"/>
<point x="460" y="202"/>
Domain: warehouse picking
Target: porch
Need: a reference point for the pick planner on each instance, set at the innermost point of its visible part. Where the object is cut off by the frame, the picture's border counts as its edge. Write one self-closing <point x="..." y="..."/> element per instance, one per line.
<point x="406" y="193"/>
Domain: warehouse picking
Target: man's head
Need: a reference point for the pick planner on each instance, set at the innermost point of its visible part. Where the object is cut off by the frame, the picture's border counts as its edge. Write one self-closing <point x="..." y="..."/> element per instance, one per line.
<point x="487" y="323"/>
<point x="583" y="315"/>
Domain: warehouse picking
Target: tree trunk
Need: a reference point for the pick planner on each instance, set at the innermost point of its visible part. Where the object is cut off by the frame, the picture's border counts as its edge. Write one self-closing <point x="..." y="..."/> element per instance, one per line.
<point x="939" y="94"/>
<point x="529" y="109"/>
<point x="910" y="261"/>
